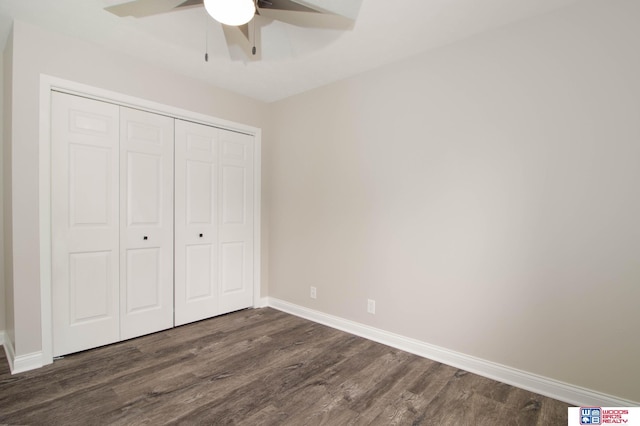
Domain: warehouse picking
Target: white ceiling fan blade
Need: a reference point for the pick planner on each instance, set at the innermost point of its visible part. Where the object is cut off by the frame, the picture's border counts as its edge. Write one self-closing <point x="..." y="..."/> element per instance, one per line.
<point x="142" y="8"/>
<point x="346" y="8"/>
<point x="309" y="20"/>
<point x="239" y="41"/>
<point x="285" y="5"/>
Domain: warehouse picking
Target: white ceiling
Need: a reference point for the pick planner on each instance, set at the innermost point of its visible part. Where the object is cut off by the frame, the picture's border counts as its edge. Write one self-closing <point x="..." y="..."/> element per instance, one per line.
<point x="294" y="59"/>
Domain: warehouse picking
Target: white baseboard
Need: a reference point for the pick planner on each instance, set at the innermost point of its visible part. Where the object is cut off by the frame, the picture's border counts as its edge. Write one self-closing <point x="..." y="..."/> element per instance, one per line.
<point x="263" y="302"/>
<point x="21" y="363"/>
<point x="566" y="392"/>
<point x="27" y="362"/>
<point x="9" y="352"/>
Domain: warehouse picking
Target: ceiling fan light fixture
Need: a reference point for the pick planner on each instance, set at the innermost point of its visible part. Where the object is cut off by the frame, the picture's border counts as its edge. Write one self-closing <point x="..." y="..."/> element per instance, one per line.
<point x="231" y="12"/>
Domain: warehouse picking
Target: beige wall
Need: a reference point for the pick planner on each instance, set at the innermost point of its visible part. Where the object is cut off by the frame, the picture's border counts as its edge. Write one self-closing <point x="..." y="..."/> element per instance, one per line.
<point x="485" y="194"/>
<point x="2" y="304"/>
<point x="36" y="51"/>
<point x="7" y="234"/>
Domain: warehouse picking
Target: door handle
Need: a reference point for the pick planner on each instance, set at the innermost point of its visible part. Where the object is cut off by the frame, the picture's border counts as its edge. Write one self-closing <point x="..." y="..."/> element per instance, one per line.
<point x="201" y="235"/>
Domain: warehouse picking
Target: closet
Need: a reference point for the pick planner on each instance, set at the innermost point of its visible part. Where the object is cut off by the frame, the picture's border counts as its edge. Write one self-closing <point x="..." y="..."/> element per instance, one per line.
<point x="151" y="222"/>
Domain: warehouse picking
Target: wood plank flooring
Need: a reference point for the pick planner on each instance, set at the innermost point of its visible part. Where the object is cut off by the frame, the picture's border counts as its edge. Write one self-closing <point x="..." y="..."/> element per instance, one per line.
<point x="261" y="367"/>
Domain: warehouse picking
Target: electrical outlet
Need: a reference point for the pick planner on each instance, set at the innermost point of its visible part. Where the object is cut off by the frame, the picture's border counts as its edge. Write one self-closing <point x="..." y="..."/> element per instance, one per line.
<point x="312" y="292"/>
<point x="371" y="306"/>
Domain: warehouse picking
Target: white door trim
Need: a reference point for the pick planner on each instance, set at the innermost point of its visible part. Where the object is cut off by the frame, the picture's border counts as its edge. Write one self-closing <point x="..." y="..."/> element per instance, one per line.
<point x="49" y="83"/>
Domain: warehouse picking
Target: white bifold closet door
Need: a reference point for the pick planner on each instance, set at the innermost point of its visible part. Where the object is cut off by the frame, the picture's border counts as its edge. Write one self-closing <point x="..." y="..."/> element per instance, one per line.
<point x="236" y="220"/>
<point x="116" y="241"/>
<point x="146" y="222"/>
<point x="85" y="223"/>
<point x="112" y="223"/>
<point x="213" y="221"/>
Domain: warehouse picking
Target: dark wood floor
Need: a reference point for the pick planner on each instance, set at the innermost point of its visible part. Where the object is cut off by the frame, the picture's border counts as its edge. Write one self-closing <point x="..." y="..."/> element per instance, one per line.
<point x="261" y="367"/>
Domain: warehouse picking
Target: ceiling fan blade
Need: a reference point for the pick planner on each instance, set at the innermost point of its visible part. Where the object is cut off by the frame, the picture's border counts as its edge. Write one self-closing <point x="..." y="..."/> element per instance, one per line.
<point x="347" y="8"/>
<point x="143" y="8"/>
<point x="240" y="44"/>
<point x="284" y="5"/>
<point x="189" y="3"/>
<point x="309" y="20"/>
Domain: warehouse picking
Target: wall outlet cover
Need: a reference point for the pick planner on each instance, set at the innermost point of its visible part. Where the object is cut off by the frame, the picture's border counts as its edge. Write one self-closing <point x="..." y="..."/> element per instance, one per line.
<point x="371" y="306"/>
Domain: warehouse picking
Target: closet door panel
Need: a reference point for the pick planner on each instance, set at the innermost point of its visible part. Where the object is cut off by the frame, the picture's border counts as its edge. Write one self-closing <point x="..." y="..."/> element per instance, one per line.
<point x="144" y="189"/>
<point x="143" y="277"/>
<point x="146" y="216"/>
<point x="236" y="224"/>
<point x="196" y="236"/>
<point x="84" y="218"/>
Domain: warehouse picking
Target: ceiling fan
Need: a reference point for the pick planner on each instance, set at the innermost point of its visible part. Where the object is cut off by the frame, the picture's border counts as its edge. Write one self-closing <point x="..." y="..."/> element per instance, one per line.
<point x="329" y="14"/>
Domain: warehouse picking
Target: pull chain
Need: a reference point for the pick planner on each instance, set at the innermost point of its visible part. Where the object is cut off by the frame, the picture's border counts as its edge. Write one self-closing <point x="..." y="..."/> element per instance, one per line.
<point x="206" y="38"/>
<point x="253" y="50"/>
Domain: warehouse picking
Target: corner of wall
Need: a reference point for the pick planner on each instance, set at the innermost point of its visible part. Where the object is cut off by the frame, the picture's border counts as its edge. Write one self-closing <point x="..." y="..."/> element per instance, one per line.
<point x="6" y="280"/>
<point x="2" y="303"/>
<point x="22" y="363"/>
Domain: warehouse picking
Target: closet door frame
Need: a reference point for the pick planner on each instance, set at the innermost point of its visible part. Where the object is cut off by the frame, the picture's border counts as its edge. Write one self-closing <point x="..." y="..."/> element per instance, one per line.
<point x="49" y="84"/>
